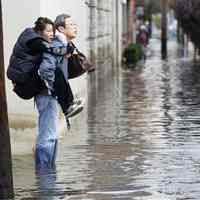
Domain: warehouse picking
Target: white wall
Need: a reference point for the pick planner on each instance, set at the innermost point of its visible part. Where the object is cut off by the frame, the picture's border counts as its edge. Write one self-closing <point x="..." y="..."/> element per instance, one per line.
<point x="120" y="31"/>
<point x="78" y="11"/>
<point x="17" y="15"/>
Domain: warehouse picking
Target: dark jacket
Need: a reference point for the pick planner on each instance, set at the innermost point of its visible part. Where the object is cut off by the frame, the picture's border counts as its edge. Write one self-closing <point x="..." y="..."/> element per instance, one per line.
<point x="24" y="59"/>
<point x="50" y="62"/>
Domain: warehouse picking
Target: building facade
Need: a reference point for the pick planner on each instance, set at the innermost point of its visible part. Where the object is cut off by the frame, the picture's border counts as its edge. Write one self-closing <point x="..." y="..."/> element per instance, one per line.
<point x="99" y="37"/>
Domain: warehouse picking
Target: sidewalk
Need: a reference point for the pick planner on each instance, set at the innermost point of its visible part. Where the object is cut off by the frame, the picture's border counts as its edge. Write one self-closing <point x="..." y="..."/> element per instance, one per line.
<point x="23" y="127"/>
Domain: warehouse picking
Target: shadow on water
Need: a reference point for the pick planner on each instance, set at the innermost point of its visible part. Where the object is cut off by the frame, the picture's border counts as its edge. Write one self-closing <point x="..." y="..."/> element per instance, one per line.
<point x="138" y="138"/>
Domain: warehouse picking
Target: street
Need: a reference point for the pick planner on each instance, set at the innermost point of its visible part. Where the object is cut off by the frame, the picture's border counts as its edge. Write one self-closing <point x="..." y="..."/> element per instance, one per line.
<point x="138" y="139"/>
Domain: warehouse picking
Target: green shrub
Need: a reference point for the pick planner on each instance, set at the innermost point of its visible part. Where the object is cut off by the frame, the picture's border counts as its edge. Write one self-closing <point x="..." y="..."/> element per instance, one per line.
<point x="157" y="21"/>
<point x="132" y="54"/>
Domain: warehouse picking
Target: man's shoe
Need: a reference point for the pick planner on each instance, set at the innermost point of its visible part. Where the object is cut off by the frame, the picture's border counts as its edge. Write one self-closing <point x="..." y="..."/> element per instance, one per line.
<point x="73" y="110"/>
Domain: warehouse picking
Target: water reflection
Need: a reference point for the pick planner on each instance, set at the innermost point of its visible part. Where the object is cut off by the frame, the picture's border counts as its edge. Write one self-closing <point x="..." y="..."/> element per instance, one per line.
<point x="138" y="138"/>
<point x="46" y="181"/>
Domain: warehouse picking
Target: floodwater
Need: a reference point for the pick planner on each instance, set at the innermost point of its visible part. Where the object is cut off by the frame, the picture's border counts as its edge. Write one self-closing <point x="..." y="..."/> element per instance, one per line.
<point x="138" y="139"/>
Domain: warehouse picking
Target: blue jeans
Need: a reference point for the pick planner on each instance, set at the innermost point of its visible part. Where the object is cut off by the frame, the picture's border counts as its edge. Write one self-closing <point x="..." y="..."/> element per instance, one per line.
<point x="46" y="143"/>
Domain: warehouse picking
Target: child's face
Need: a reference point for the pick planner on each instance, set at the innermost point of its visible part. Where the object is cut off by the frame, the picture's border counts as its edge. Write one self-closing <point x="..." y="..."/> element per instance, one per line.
<point x="48" y="32"/>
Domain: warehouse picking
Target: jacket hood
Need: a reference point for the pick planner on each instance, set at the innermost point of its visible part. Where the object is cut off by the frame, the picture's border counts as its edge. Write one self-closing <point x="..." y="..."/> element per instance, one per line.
<point x="28" y="34"/>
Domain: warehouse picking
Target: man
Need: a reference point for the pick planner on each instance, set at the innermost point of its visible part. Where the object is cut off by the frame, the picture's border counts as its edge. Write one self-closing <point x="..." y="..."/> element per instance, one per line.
<point x="47" y="106"/>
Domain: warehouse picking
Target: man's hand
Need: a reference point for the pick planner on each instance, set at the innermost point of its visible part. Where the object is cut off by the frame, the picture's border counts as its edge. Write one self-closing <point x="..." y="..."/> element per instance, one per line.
<point x="70" y="48"/>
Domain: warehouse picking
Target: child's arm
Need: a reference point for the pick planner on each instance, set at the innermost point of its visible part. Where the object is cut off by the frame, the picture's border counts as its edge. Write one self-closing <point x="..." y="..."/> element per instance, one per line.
<point x="38" y="45"/>
<point x="47" y="70"/>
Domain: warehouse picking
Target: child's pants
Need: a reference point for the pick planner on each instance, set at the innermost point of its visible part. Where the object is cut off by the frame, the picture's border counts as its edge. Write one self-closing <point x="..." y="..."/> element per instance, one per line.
<point x="63" y="91"/>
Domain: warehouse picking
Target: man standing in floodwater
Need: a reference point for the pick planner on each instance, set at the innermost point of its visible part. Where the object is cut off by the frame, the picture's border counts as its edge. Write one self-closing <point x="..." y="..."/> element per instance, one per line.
<point x="46" y="144"/>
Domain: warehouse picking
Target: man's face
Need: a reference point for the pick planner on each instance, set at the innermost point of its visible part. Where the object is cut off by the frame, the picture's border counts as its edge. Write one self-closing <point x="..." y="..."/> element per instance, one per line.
<point x="70" y="29"/>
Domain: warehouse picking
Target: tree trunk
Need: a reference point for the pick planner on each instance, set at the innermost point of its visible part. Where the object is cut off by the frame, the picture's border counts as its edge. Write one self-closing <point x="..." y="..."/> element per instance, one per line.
<point x="6" y="182"/>
<point x="131" y="22"/>
<point x="164" y="29"/>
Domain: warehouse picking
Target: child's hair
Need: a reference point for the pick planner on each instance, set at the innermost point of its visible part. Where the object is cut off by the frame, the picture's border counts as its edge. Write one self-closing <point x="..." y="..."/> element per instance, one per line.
<point x="41" y="22"/>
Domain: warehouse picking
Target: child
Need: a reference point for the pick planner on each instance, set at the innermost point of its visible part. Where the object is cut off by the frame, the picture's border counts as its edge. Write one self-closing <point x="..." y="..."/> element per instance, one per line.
<point x="27" y="54"/>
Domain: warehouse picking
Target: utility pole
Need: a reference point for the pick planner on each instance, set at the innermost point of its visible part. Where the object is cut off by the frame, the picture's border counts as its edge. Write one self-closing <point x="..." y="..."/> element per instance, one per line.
<point x="164" y="29"/>
<point x="6" y="181"/>
<point x="131" y="21"/>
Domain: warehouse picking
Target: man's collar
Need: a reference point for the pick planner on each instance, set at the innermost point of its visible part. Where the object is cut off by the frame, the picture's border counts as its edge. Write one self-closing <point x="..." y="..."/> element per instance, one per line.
<point x="61" y="37"/>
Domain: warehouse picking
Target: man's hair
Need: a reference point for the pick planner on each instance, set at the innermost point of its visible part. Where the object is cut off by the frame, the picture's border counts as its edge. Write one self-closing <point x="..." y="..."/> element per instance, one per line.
<point x="41" y="22"/>
<point x="60" y="20"/>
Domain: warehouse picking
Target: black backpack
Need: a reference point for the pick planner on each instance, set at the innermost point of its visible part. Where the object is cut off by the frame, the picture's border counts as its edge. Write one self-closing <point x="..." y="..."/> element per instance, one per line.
<point x="29" y="88"/>
<point x="26" y="81"/>
<point x="23" y="67"/>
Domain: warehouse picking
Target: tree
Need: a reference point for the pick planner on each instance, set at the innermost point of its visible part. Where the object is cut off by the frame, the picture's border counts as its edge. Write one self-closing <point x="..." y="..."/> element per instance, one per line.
<point x="188" y="15"/>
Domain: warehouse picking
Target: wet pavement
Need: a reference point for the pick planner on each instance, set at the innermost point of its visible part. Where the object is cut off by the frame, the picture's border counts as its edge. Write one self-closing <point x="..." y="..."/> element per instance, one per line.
<point x="139" y="137"/>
